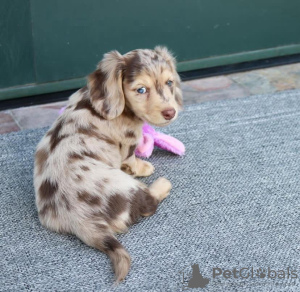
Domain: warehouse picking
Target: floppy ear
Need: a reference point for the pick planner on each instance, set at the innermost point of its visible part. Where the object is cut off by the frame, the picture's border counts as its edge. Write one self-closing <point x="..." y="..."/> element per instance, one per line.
<point x="171" y="61"/>
<point x="105" y="86"/>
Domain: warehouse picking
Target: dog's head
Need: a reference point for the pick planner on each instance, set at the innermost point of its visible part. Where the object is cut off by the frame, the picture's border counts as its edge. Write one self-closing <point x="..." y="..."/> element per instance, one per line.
<point x="145" y="81"/>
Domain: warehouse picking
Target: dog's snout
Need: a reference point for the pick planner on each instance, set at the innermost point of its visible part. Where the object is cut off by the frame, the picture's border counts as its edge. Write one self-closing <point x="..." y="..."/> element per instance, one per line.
<point x="169" y="113"/>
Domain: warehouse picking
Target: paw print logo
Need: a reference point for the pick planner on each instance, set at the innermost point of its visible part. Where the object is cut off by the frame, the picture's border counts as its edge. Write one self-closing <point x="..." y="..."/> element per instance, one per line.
<point x="261" y="273"/>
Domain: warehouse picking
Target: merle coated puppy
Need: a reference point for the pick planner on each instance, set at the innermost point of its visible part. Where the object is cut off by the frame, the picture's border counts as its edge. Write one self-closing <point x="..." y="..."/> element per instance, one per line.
<point x="85" y="164"/>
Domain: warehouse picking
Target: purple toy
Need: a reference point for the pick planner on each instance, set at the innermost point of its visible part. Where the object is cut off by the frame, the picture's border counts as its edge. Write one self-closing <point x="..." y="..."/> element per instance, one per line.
<point x="163" y="141"/>
<point x="62" y="110"/>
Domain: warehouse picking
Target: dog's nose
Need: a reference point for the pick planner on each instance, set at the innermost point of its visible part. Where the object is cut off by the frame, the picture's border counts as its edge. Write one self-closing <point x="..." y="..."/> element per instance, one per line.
<point x="168" y="113"/>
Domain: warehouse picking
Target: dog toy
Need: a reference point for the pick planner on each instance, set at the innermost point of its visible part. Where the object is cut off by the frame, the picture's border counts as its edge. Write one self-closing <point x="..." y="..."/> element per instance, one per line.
<point x="163" y="141"/>
<point x="151" y="138"/>
<point x="62" y="110"/>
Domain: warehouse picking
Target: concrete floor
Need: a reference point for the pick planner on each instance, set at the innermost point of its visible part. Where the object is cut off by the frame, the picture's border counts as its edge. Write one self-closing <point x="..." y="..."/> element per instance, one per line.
<point x="229" y="86"/>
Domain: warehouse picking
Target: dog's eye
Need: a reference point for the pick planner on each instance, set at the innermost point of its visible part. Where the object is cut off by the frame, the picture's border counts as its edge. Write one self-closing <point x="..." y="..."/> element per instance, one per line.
<point x="142" y="90"/>
<point x="170" y="83"/>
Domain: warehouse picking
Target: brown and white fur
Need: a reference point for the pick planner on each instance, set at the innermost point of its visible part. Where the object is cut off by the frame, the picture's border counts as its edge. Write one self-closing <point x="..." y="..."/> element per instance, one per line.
<point x="85" y="164"/>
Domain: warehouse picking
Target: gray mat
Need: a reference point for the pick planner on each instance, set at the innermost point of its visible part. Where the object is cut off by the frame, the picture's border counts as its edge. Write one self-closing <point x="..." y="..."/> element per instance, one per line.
<point x="234" y="204"/>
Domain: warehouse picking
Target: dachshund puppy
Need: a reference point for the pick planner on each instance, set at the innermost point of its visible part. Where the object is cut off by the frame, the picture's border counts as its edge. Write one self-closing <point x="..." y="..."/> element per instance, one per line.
<point x="85" y="164"/>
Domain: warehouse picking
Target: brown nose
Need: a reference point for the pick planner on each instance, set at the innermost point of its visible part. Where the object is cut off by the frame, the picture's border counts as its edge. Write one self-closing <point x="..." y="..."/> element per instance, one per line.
<point x="168" y="113"/>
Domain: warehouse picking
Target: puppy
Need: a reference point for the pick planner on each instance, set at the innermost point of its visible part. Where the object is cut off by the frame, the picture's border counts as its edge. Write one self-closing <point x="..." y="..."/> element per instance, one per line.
<point x="85" y="164"/>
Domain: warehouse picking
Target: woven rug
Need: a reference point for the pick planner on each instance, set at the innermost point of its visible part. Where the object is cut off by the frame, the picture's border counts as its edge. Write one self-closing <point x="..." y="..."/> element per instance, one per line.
<point x="231" y="222"/>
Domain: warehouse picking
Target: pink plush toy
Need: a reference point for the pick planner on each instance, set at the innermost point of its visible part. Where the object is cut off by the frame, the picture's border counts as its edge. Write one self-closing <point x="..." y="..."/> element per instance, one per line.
<point x="151" y="138"/>
<point x="62" y="110"/>
<point x="163" y="141"/>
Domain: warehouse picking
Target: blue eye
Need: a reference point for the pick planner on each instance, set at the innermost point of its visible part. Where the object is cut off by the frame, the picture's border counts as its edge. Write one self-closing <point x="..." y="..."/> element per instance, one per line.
<point x="142" y="90"/>
<point x="170" y="83"/>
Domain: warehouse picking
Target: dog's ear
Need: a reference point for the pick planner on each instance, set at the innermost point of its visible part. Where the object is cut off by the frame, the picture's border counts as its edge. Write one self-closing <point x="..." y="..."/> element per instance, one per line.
<point x="167" y="55"/>
<point x="171" y="61"/>
<point x="105" y="86"/>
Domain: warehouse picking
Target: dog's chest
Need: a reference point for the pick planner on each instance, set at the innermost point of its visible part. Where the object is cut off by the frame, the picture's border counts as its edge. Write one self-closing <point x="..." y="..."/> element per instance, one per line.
<point x="129" y="142"/>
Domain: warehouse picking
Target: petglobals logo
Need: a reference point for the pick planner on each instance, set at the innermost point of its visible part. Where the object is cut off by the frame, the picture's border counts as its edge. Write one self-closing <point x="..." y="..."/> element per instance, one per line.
<point x="191" y="277"/>
<point x="245" y="273"/>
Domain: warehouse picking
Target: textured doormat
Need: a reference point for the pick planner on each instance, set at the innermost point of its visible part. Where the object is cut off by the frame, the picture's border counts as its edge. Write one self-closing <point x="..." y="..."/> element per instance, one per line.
<point x="231" y="222"/>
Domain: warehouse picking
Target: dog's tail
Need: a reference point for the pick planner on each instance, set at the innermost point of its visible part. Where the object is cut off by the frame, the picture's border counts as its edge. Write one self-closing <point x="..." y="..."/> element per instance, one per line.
<point x="104" y="240"/>
<point x="119" y="257"/>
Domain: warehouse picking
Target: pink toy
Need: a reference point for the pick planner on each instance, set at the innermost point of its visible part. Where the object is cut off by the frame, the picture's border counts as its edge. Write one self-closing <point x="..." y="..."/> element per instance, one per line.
<point x="151" y="138"/>
<point x="163" y="141"/>
<point x="62" y="110"/>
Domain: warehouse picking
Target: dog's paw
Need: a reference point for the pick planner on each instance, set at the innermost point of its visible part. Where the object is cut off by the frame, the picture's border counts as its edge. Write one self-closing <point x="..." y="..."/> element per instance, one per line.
<point x="127" y="169"/>
<point x="161" y="188"/>
<point x="139" y="168"/>
<point x="144" y="168"/>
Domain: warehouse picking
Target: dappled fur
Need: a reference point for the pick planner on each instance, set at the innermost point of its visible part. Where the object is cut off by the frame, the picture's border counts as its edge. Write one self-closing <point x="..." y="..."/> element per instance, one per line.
<point x="85" y="164"/>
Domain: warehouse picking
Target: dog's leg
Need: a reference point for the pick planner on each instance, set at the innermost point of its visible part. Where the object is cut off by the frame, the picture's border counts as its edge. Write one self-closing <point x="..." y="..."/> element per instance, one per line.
<point x="153" y="195"/>
<point x="137" y="167"/>
<point x="128" y="200"/>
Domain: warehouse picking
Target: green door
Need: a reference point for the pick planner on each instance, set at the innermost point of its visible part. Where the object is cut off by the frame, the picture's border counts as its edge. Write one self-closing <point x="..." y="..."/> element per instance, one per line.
<point x="62" y="41"/>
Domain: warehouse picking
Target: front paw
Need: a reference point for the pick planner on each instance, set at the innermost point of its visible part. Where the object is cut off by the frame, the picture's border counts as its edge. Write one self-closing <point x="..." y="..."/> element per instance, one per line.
<point x="144" y="168"/>
<point x="127" y="169"/>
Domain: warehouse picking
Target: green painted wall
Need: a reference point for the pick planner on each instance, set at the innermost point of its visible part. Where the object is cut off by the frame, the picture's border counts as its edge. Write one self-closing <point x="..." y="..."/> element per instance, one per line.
<point x="16" y="50"/>
<point x="70" y="36"/>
